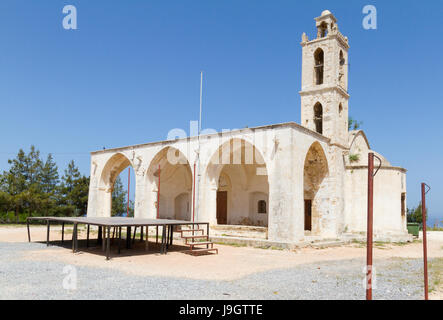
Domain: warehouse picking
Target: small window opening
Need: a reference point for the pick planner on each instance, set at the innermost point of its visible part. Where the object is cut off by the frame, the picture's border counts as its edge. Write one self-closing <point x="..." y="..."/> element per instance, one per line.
<point x="341" y="72"/>
<point x="261" y="206"/>
<point x="323" y="30"/>
<point x="318" y="118"/>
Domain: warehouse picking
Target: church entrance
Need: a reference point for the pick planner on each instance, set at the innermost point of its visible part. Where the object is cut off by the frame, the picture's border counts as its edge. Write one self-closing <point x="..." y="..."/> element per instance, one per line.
<point x="222" y="207"/>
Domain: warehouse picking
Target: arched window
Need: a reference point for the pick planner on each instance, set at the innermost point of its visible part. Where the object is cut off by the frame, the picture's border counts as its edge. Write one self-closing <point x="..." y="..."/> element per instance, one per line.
<point x="322" y="30"/>
<point x="319" y="66"/>
<point x="341" y="72"/>
<point x="340" y="109"/>
<point x="261" y="206"/>
<point x="318" y="117"/>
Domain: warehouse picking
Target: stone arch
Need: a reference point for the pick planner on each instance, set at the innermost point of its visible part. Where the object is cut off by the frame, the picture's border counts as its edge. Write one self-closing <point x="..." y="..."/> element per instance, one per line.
<point x="111" y="170"/>
<point x="315" y="172"/>
<point x="171" y="168"/>
<point x="241" y="166"/>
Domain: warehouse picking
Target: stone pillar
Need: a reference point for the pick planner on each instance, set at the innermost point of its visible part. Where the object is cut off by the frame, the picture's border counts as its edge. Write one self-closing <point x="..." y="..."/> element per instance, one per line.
<point x="285" y="193"/>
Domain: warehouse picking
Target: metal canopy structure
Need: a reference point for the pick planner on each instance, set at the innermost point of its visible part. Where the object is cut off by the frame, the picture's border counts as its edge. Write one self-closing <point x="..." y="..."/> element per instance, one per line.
<point x="105" y="224"/>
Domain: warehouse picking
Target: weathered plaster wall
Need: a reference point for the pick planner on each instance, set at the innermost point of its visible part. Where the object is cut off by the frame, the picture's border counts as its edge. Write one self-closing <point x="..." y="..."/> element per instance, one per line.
<point x="389" y="184"/>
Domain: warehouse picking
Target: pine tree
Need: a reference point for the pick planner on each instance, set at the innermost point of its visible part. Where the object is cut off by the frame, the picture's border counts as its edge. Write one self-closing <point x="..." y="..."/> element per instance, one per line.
<point x="119" y="205"/>
<point x="49" y="176"/>
<point x="74" y="191"/>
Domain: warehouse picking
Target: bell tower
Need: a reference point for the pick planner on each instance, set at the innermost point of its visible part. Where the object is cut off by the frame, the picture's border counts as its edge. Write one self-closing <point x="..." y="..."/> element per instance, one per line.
<point x="324" y="92"/>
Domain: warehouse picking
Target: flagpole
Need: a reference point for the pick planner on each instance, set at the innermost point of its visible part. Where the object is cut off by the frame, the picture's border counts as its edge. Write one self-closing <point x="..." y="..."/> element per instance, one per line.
<point x="201" y="94"/>
<point x="197" y="172"/>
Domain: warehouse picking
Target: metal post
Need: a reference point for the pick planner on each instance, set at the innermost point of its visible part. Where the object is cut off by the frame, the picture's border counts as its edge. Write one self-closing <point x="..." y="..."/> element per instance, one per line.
<point x="63" y="232"/>
<point x="73" y="239"/>
<point x="108" y="243"/>
<point x="119" y="238"/>
<point x="128" y="238"/>
<point x="167" y="236"/>
<point x="29" y="233"/>
<point x="141" y="234"/>
<point x="369" y="227"/>
<point x="158" y="194"/>
<point x="425" y="249"/>
<point x="156" y="234"/>
<point x="47" y="232"/>
<point x="193" y="200"/>
<point x="87" y="237"/>
<point x="135" y="232"/>
<point x="99" y="236"/>
<point x="147" y="239"/>
<point x="76" y="237"/>
<point x="129" y="184"/>
<point x="369" y="234"/>
<point x="164" y="247"/>
<point x="104" y="239"/>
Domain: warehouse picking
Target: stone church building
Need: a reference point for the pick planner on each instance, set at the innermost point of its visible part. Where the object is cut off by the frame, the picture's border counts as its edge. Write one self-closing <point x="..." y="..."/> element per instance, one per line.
<point x="296" y="181"/>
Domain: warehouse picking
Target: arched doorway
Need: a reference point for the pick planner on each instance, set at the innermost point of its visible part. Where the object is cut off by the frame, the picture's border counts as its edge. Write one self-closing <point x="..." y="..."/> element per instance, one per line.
<point x="315" y="197"/>
<point x="113" y="189"/>
<point x="170" y="172"/>
<point x="237" y="172"/>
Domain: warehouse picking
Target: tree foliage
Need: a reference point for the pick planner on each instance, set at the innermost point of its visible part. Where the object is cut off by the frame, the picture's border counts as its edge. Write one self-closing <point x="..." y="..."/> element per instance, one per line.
<point x="354" y="124"/>
<point x="415" y="214"/>
<point x="32" y="186"/>
<point x="119" y="200"/>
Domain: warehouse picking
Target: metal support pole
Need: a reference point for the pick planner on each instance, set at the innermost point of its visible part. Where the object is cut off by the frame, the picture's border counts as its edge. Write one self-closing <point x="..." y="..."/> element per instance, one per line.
<point x="99" y="236"/>
<point x="158" y="194"/>
<point x="108" y="243"/>
<point x="156" y="234"/>
<point x="147" y="239"/>
<point x="63" y="232"/>
<point x="104" y="239"/>
<point x="141" y="234"/>
<point x="119" y="238"/>
<point x="87" y="236"/>
<point x="29" y="233"/>
<point x="47" y="232"/>
<point x="135" y="232"/>
<point x="74" y="238"/>
<point x="369" y="227"/>
<point x="166" y="234"/>
<point x="129" y="184"/>
<point x="128" y="238"/>
<point x="164" y="247"/>
<point x="369" y="233"/>
<point x="425" y="249"/>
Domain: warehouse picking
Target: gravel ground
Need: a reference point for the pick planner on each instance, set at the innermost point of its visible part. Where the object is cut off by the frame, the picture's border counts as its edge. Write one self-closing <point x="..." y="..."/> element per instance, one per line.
<point x="23" y="279"/>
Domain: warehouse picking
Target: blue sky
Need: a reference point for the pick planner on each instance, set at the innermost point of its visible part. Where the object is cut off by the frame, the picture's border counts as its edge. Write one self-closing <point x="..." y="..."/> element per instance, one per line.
<point x="131" y="72"/>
